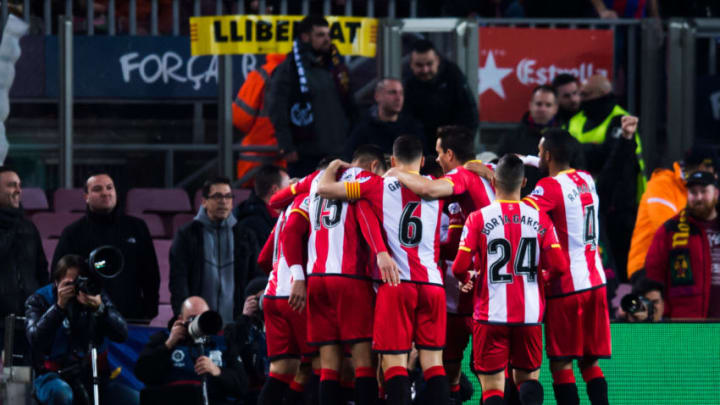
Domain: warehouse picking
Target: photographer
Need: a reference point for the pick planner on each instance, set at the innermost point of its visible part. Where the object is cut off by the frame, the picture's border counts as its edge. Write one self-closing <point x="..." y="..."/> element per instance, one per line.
<point x="172" y="366"/>
<point x="644" y="303"/>
<point x="62" y="318"/>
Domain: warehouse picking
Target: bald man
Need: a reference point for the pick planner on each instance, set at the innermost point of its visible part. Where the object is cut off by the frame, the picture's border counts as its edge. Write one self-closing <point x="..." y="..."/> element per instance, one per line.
<point x="171" y="366"/>
<point x="135" y="290"/>
<point x="384" y="121"/>
<point x="614" y="157"/>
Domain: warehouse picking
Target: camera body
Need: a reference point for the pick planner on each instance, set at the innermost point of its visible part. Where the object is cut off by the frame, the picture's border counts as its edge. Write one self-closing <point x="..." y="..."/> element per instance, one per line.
<point x="634" y="303"/>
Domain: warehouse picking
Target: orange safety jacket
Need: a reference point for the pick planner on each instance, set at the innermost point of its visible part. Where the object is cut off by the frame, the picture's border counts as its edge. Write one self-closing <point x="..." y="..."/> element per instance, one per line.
<point x="665" y="196"/>
<point x="251" y="118"/>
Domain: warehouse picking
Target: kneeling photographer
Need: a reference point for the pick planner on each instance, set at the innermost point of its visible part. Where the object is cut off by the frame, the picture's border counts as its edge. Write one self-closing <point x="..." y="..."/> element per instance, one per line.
<point x="644" y="303"/>
<point x="190" y="364"/>
<point x="63" y="320"/>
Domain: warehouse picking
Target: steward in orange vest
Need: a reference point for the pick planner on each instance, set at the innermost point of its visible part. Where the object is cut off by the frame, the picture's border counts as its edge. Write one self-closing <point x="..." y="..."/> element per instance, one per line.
<point x="250" y="117"/>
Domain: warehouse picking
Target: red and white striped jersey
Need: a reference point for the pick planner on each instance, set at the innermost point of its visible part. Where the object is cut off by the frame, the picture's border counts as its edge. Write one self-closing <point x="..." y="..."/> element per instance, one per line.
<point x="453" y="220"/>
<point x="411" y="225"/>
<point x="281" y="277"/>
<point x="284" y="197"/>
<point x="572" y="203"/>
<point x="335" y="245"/>
<point x="471" y="191"/>
<point x="513" y="243"/>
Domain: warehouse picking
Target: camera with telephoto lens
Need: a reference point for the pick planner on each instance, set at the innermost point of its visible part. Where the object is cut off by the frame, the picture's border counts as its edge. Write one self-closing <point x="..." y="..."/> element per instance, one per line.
<point x="206" y="324"/>
<point x="634" y="303"/>
<point x="105" y="262"/>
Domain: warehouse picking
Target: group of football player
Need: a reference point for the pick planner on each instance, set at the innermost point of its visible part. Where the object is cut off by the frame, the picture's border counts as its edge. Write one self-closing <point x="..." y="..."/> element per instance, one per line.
<point x="369" y="262"/>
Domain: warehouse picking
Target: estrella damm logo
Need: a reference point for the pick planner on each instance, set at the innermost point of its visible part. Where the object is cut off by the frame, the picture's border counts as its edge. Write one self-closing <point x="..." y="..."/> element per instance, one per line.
<point x="263" y="34"/>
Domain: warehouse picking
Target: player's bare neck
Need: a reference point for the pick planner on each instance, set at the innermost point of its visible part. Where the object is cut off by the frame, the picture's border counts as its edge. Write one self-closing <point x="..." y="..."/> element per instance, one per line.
<point x="507" y="196"/>
<point x="409" y="167"/>
<point x="554" y="168"/>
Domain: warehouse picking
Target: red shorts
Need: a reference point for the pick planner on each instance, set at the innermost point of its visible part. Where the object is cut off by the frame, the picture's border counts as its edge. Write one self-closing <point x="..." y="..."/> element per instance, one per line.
<point x="494" y="345"/>
<point x="286" y="330"/>
<point x="339" y="310"/>
<point x="406" y="313"/>
<point x="457" y="335"/>
<point x="578" y="325"/>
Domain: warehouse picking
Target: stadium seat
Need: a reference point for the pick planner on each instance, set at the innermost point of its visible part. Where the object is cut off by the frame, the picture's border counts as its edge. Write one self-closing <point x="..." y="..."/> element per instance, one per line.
<point x="49" y="246"/>
<point x="163" y="317"/>
<point x="241" y="194"/>
<point x="51" y="224"/>
<point x="162" y="251"/>
<point x="157" y="200"/>
<point x="155" y="225"/>
<point x="180" y="220"/>
<point x="69" y="200"/>
<point x="33" y="200"/>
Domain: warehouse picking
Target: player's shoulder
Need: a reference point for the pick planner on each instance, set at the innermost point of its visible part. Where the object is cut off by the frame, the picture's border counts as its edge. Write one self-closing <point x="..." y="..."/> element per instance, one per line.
<point x="302" y="201"/>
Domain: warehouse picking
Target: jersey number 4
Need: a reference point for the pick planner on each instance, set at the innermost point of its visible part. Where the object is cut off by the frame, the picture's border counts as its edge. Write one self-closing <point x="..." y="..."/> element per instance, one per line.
<point x="590" y="229"/>
<point x="525" y="260"/>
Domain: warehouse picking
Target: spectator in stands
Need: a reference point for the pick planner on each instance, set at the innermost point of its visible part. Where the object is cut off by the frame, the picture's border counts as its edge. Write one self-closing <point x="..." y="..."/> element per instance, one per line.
<point x="255" y="213"/>
<point x="24" y="267"/>
<point x="254" y="352"/>
<point x="524" y="140"/>
<point x="666" y="195"/>
<point x="608" y="9"/>
<point x="251" y="117"/>
<point x="60" y="322"/>
<point x="384" y="121"/>
<point x="614" y="158"/>
<point x="437" y="93"/>
<point x="213" y="257"/>
<point x="171" y="365"/>
<point x="309" y="101"/>
<point x="651" y="309"/>
<point x="567" y="90"/>
<point x="135" y="290"/>
<point x="685" y="254"/>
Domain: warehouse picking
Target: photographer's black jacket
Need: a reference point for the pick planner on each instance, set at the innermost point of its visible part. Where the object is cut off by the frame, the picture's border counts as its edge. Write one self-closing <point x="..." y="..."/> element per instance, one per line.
<point x="135" y="290"/>
<point x="23" y="264"/>
<point x="62" y="336"/>
<point x="159" y="366"/>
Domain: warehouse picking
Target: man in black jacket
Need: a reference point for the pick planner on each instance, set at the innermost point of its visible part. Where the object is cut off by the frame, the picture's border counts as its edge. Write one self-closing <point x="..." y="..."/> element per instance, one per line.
<point x="255" y="213"/>
<point x="540" y="116"/>
<point x="135" y="290"/>
<point x="172" y="366"/>
<point x="437" y="93"/>
<point x="213" y="257"/>
<point x="24" y="267"/>
<point x="384" y="121"/>
<point x="61" y="321"/>
<point x="309" y="99"/>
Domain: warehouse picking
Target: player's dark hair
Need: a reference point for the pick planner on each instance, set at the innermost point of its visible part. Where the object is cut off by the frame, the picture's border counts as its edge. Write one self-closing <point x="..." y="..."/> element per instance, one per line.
<point x="266" y="177"/>
<point x="563" y="79"/>
<point x="509" y="173"/>
<point x="545" y="88"/>
<point x="407" y="149"/>
<point x="213" y="181"/>
<point x="4" y="169"/>
<point x="365" y="154"/>
<point x="307" y="24"/>
<point x="325" y="162"/>
<point x="562" y="146"/>
<point x="66" y="263"/>
<point x="458" y="139"/>
<point x="422" y="46"/>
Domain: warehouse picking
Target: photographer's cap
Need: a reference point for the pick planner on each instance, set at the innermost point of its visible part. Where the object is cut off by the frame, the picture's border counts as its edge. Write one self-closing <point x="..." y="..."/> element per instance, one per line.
<point x="700" y="178"/>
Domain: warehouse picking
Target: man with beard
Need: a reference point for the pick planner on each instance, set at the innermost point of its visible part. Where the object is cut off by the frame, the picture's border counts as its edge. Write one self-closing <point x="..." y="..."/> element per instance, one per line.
<point x="567" y="88"/>
<point x="685" y="254"/>
<point x="309" y="99"/>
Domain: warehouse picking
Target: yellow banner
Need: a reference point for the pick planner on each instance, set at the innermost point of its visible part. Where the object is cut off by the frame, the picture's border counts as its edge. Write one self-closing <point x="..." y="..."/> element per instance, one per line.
<point x="263" y="34"/>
